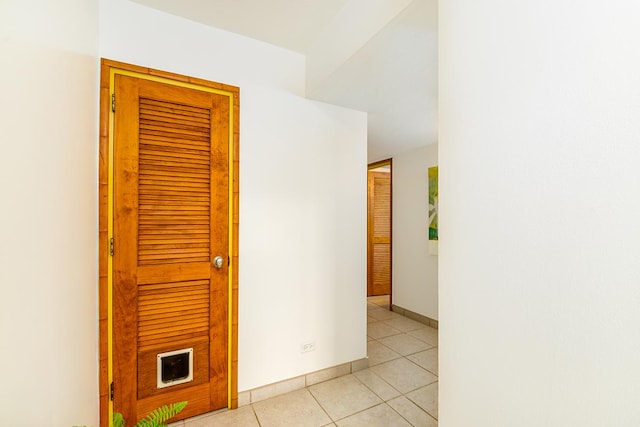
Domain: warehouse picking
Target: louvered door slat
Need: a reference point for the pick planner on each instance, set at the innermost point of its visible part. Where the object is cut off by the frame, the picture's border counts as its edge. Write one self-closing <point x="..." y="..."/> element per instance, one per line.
<point x="166" y="238"/>
<point x="175" y="164"/>
<point x="175" y="143"/>
<point x="155" y="311"/>
<point x="150" y="169"/>
<point x="177" y="184"/>
<point x="180" y="136"/>
<point x="183" y="228"/>
<point x="171" y="286"/>
<point x="160" y="195"/>
<point x="180" y="159"/>
<point x="174" y="108"/>
<point x="162" y="114"/>
<point x="185" y="315"/>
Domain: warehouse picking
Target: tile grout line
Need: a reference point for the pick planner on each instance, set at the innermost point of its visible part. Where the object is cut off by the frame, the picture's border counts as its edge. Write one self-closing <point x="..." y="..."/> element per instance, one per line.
<point x="409" y="354"/>
<point x="403" y="417"/>
<point x="363" y="410"/>
<point x="384" y="381"/>
<point x="255" y="414"/>
<point x="416" y="403"/>
<point x="320" y="405"/>
<point x="377" y="340"/>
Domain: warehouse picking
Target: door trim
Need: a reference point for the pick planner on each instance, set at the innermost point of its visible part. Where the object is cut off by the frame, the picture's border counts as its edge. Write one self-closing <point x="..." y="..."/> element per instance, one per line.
<point x="370" y="166"/>
<point x="109" y="69"/>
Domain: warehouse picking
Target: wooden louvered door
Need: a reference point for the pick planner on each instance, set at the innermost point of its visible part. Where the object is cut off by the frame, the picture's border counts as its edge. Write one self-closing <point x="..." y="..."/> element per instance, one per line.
<point x="379" y="234"/>
<point x="171" y="213"/>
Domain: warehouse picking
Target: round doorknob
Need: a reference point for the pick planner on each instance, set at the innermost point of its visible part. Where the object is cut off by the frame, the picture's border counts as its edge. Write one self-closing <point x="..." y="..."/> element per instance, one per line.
<point x="218" y="262"/>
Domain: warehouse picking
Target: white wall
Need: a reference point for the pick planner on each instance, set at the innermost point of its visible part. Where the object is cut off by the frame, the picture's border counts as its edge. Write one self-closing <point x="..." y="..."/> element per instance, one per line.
<point x="415" y="271"/>
<point x="539" y="207"/>
<point x="130" y="32"/>
<point x="347" y="32"/>
<point x="302" y="192"/>
<point x="48" y="220"/>
<point x="303" y="237"/>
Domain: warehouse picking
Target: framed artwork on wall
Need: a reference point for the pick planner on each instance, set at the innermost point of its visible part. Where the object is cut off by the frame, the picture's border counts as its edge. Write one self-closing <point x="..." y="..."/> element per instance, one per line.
<point x="433" y="203"/>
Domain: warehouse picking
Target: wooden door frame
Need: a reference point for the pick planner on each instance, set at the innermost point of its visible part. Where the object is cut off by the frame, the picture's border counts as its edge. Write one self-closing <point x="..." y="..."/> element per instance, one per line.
<point x="371" y="166"/>
<point x="108" y="69"/>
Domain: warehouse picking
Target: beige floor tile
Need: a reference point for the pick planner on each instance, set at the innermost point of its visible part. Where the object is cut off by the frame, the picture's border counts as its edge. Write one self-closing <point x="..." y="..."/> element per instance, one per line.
<point x="426" y="398"/>
<point x="412" y="413"/>
<point x="379" y="330"/>
<point x="428" y="359"/>
<point x="426" y="334"/>
<point x="404" y="344"/>
<point x="278" y="389"/>
<point x="358" y="365"/>
<point x="295" y="409"/>
<point x="404" y="375"/>
<point x="344" y="396"/>
<point x="328" y="374"/>
<point x="244" y="398"/>
<point x="376" y="384"/>
<point x="381" y="313"/>
<point x="379" y="353"/>
<point x="378" y="416"/>
<point x="371" y="320"/>
<point x="404" y="324"/>
<point x="381" y="300"/>
<point x="244" y="417"/>
<point x="206" y="416"/>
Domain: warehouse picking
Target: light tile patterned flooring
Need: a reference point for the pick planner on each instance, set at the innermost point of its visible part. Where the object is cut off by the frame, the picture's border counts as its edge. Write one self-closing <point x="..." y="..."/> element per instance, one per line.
<point x="399" y="389"/>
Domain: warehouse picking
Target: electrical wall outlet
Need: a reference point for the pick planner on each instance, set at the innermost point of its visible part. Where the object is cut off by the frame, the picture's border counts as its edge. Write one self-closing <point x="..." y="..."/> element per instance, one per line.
<point x="307" y="346"/>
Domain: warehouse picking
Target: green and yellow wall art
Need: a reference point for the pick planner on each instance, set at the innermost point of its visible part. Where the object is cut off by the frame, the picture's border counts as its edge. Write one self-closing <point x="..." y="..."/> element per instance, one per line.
<point x="433" y="203"/>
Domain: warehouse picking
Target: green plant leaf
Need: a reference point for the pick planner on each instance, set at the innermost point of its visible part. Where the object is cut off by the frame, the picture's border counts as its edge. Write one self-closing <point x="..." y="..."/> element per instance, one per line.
<point x="118" y="420"/>
<point x="160" y="415"/>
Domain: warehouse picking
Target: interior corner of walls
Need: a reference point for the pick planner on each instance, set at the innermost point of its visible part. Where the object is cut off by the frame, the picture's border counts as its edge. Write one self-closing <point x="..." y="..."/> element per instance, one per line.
<point x="140" y="35"/>
<point x="341" y="38"/>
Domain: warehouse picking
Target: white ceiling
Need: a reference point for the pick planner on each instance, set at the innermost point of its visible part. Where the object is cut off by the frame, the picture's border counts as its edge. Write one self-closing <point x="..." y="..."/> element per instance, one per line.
<point x="378" y="56"/>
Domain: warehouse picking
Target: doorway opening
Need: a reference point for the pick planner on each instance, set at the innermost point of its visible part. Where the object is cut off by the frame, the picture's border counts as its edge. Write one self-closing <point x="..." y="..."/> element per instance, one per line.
<point x="379" y="245"/>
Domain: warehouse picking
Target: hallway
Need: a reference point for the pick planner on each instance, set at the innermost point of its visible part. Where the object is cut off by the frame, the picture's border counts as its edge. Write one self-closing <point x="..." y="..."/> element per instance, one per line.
<point x="399" y="389"/>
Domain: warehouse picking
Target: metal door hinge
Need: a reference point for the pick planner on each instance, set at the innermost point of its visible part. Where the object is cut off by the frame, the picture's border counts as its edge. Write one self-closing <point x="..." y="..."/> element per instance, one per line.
<point x="111" y="246"/>
<point x="111" y="392"/>
<point x="113" y="102"/>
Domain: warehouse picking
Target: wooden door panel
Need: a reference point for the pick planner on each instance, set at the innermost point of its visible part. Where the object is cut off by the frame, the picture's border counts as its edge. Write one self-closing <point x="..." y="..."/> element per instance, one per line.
<point x="381" y="269"/>
<point x="379" y="234"/>
<point x="170" y="219"/>
<point x="147" y="378"/>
